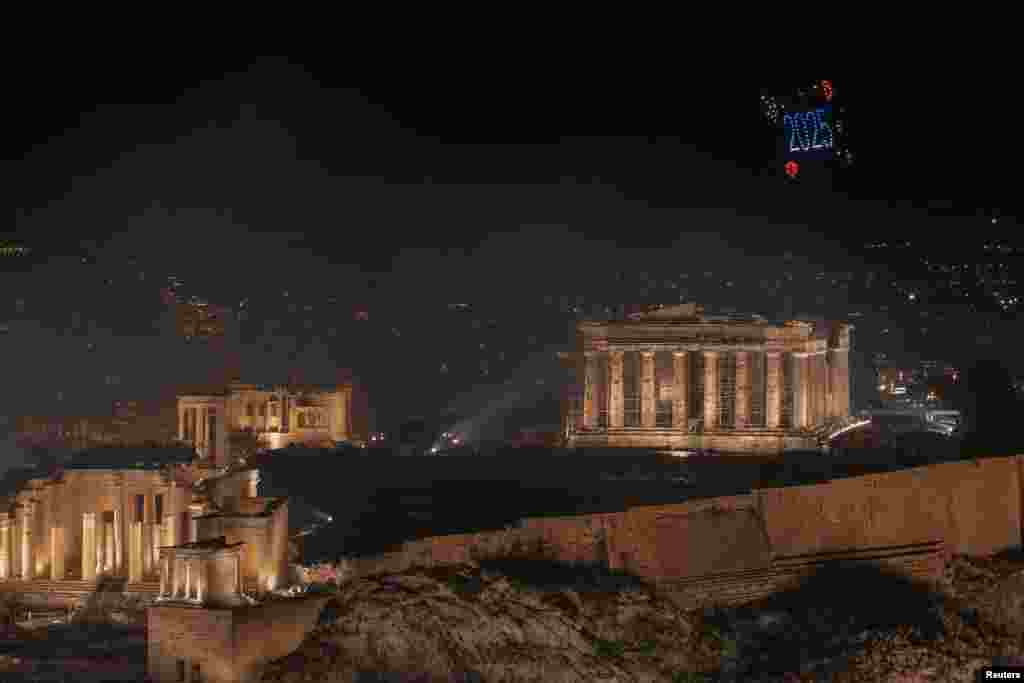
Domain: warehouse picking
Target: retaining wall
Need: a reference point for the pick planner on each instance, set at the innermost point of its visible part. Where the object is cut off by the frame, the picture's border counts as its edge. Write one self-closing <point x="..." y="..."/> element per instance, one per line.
<point x="972" y="507"/>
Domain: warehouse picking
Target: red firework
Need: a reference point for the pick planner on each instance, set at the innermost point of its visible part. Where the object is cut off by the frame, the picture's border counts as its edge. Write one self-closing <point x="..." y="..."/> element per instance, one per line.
<point x="792" y="168"/>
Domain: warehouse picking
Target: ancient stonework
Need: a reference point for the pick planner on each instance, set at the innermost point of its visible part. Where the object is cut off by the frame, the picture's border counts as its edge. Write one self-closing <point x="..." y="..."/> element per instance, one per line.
<point x="740" y="384"/>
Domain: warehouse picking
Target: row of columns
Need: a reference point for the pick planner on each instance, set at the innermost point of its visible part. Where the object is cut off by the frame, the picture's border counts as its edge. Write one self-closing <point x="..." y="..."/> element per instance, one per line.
<point x="103" y="549"/>
<point x="88" y="525"/>
<point x="188" y="578"/>
<point x="103" y="552"/>
<point x="810" y="382"/>
<point x="195" y="424"/>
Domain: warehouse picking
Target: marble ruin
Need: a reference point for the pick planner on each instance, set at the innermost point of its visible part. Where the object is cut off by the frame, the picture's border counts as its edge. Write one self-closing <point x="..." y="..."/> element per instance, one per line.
<point x="675" y="377"/>
<point x="280" y="415"/>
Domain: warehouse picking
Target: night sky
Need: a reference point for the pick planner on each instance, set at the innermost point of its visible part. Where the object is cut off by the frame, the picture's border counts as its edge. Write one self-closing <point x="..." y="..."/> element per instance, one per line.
<point x="308" y="196"/>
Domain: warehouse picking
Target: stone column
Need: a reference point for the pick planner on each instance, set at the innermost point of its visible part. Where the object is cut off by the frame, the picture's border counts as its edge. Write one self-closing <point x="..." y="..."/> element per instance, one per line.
<point x="221" y="433"/>
<point x="681" y="390"/>
<point x="169" y="533"/>
<point x="101" y="544"/>
<point x="109" y="547"/>
<point x="200" y="580"/>
<point x="57" y="553"/>
<point x="743" y="389"/>
<point x="647" y="398"/>
<point x="710" y="391"/>
<point x="812" y="390"/>
<point x="28" y="569"/>
<point x="811" y="380"/>
<point x="616" y="403"/>
<point x="89" y="546"/>
<point x="201" y="430"/>
<point x="799" y="383"/>
<point x="147" y="546"/>
<point x="238" y="574"/>
<point x="9" y="572"/>
<point x="156" y="540"/>
<point x="821" y="388"/>
<point x="135" y="552"/>
<point x="773" y="389"/>
<point x="590" y="390"/>
<point x="841" y="382"/>
<point x="15" y="548"/>
<point x="181" y="421"/>
<point x="5" y="551"/>
<point x="830" y="385"/>
<point x="119" y="531"/>
<point x="178" y="578"/>
<point x="188" y="578"/>
<point x="165" y="570"/>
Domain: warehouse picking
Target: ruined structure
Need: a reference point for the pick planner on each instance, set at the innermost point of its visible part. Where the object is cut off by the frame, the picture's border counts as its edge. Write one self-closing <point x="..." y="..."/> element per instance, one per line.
<point x="283" y="415"/>
<point x="675" y="377"/>
<point x="104" y="514"/>
<point x="210" y="620"/>
<point x="110" y="512"/>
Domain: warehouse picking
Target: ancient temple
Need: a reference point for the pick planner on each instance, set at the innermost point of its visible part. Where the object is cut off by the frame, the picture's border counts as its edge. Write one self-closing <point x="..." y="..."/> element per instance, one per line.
<point x="112" y="512"/>
<point x="675" y="377"/>
<point x="282" y="415"/>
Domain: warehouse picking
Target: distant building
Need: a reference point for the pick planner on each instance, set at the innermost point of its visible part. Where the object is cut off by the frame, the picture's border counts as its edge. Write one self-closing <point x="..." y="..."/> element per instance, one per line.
<point x="130" y="423"/>
<point x="199" y="320"/>
<point x="65" y="432"/>
<point x="679" y="378"/>
<point x="283" y="416"/>
<point x="195" y="318"/>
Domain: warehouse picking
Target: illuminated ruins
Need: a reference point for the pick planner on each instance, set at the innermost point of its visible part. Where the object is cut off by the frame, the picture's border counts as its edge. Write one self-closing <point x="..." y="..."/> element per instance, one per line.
<point x="281" y="415"/>
<point x="675" y="377"/>
<point x="112" y="512"/>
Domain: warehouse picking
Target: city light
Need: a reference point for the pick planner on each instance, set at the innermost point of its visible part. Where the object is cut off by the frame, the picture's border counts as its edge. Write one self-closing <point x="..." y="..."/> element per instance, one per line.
<point x="847" y="428"/>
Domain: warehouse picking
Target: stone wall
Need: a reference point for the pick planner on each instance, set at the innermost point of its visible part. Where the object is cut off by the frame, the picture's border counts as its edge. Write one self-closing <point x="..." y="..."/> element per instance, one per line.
<point x="972" y="507"/>
<point x="191" y="636"/>
<point x="265" y="563"/>
<point x="923" y="562"/>
<point x="271" y="630"/>
<point x="229" y="645"/>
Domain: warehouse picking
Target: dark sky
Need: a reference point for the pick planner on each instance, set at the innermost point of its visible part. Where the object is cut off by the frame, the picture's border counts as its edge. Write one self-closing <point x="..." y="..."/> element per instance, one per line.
<point x="249" y="179"/>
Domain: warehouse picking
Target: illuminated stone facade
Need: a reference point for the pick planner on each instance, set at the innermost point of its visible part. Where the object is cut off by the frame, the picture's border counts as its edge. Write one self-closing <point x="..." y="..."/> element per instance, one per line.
<point x="92" y="521"/>
<point x="282" y="415"/>
<point x="676" y="378"/>
<point x="208" y="621"/>
<point x="107" y="516"/>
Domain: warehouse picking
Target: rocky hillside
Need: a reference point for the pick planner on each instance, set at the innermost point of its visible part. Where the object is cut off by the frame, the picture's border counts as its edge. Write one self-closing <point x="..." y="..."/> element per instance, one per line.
<point x="468" y="623"/>
<point x="519" y="622"/>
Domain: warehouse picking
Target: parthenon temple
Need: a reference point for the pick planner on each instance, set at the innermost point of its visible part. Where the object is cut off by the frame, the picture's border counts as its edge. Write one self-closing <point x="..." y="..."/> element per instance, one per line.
<point x="675" y="377"/>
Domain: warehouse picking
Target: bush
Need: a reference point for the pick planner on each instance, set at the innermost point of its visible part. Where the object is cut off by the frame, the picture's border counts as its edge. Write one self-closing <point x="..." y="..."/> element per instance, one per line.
<point x="612" y="649"/>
